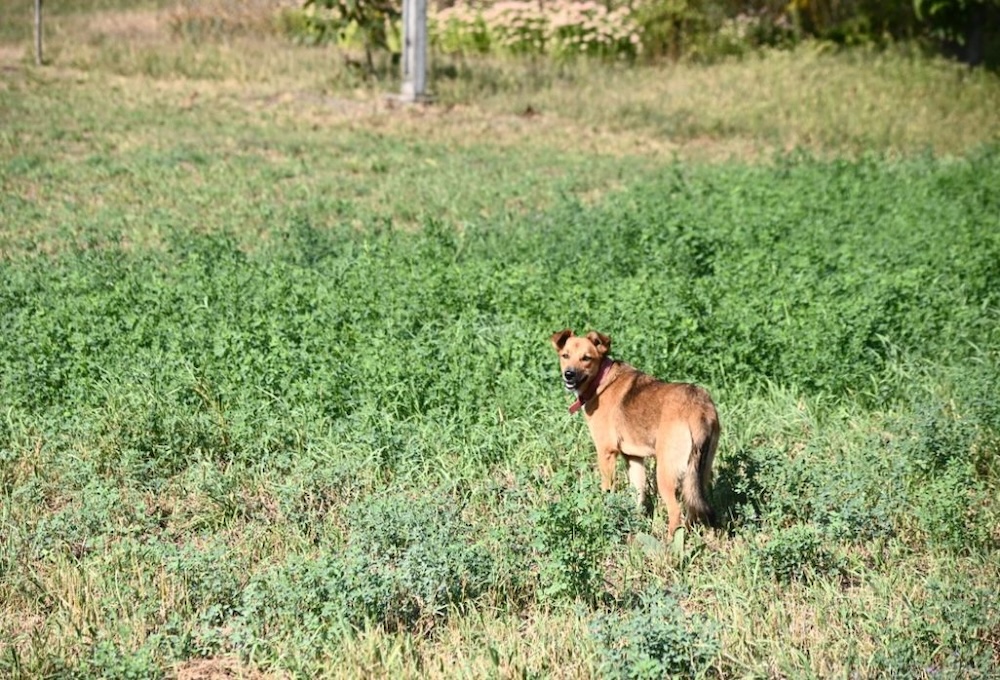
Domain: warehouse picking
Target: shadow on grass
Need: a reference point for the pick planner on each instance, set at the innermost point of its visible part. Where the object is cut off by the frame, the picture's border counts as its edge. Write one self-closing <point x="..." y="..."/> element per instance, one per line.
<point x="737" y="493"/>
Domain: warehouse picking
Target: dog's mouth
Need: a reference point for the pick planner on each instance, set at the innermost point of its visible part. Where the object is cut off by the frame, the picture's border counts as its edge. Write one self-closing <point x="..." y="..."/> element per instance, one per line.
<point x="575" y="383"/>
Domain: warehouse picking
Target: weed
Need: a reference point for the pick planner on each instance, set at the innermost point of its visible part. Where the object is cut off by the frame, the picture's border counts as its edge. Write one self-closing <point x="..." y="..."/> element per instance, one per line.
<point x="654" y="638"/>
<point x="574" y="534"/>
<point x="798" y="553"/>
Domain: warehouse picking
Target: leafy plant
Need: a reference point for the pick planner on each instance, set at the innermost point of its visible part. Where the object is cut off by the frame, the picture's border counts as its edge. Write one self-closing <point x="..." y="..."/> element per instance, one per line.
<point x="109" y="661"/>
<point x="798" y="553"/>
<point x="409" y="563"/>
<point x="563" y="29"/>
<point x="374" y="22"/>
<point x="574" y="533"/>
<point x="951" y="631"/>
<point x="654" y="638"/>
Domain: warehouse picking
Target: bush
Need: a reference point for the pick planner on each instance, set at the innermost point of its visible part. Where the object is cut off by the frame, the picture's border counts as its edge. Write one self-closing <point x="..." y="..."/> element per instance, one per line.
<point x="562" y="28"/>
<point x="798" y="553"/>
<point x="371" y="24"/>
<point x="574" y="534"/>
<point x="654" y="639"/>
<point x="408" y="562"/>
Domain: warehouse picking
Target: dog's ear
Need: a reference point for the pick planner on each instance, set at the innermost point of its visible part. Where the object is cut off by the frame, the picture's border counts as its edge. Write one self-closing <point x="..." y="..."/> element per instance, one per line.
<point x="559" y="339"/>
<point x="600" y="341"/>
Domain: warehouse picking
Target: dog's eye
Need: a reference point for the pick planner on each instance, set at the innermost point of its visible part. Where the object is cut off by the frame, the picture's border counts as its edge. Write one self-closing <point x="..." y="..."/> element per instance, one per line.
<point x="586" y="359"/>
<point x="565" y="355"/>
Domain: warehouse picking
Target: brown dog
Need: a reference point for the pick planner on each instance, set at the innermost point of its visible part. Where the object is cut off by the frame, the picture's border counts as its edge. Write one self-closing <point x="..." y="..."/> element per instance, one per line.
<point x="637" y="416"/>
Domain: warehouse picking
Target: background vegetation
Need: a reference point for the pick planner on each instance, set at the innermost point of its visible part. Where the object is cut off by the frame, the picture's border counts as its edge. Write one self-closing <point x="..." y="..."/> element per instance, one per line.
<point x="704" y="30"/>
<point x="276" y="396"/>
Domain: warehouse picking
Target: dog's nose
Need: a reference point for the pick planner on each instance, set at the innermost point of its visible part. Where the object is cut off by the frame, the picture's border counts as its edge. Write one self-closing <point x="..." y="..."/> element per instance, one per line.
<point x="569" y="374"/>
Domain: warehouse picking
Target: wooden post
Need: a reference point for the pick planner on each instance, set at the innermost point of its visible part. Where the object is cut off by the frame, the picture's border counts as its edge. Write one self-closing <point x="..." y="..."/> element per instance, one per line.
<point x="38" y="32"/>
<point x="414" y="51"/>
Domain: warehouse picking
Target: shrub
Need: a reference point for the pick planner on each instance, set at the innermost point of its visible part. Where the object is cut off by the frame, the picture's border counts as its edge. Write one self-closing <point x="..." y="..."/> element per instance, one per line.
<point x="797" y="553"/>
<point x="459" y="29"/>
<point x="562" y="28"/>
<point x="409" y="561"/>
<point x="573" y="535"/>
<point x="653" y="639"/>
<point x="374" y="24"/>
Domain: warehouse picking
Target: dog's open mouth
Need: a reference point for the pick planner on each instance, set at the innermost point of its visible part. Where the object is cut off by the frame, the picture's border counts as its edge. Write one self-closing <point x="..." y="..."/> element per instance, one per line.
<point x="574" y="384"/>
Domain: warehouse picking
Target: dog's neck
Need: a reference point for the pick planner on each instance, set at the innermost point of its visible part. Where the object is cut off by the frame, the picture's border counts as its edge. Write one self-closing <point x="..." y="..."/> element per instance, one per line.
<point x="583" y="397"/>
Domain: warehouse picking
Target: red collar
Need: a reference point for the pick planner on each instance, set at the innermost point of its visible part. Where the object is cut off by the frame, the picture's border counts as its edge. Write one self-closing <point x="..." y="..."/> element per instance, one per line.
<point x="582" y="400"/>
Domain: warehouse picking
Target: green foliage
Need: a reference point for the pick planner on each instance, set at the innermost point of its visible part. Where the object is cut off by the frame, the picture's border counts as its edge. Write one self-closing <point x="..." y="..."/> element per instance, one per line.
<point x="109" y="662"/>
<point x="406" y="564"/>
<point x="962" y="23"/>
<point x="798" y="553"/>
<point x="409" y="562"/>
<point x="373" y="23"/>
<point x="951" y="632"/>
<point x="295" y="603"/>
<point x="574" y="534"/>
<point x="950" y="448"/>
<point x="561" y="29"/>
<point x="348" y="431"/>
<point x="654" y="638"/>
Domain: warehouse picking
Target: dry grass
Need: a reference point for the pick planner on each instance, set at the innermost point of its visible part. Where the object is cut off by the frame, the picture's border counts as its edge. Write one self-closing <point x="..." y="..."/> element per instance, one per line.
<point x="810" y="98"/>
<point x="221" y="668"/>
<point x="555" y="644"/>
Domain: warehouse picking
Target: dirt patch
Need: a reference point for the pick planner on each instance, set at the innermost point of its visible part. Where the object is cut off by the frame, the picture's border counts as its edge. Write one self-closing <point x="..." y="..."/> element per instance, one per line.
<point x="11" y="54"/>
<point x="132" y="25"/>
<point x="219" y="669"/>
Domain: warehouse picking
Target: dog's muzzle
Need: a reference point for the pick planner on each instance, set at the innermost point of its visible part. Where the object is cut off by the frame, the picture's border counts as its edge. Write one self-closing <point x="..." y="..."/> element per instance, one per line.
<point x="572" y="379"/>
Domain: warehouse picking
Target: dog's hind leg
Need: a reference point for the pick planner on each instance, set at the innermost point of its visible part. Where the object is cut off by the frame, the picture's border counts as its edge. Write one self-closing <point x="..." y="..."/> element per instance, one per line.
<point x="637" y="477"/>
<point x="672" y="450"/>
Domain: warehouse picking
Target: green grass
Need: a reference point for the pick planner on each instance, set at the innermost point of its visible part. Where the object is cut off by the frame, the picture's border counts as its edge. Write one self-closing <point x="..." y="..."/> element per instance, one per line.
<point x="276" y="395"/>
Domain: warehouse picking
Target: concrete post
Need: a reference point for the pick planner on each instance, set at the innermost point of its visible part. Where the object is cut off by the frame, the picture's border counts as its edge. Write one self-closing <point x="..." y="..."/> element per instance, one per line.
<point x="38" y="32"/>
<point x="414" y="51"/>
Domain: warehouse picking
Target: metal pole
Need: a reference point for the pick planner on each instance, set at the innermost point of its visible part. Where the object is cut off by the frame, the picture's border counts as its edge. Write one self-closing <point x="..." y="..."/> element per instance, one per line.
<point x="414" y="51"/>
<point x="38" y="32"/>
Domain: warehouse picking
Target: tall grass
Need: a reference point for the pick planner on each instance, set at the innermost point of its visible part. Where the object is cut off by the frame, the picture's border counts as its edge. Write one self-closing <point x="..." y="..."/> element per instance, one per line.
<point x="212" y="451"/>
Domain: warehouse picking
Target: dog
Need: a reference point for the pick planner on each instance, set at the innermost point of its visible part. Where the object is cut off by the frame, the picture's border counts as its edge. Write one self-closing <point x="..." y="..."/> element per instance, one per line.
<point x="634" y="415"/>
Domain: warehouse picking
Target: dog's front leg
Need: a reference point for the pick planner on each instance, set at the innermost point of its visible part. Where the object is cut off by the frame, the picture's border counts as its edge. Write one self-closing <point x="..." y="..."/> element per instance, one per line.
<point x="606" y="460"/>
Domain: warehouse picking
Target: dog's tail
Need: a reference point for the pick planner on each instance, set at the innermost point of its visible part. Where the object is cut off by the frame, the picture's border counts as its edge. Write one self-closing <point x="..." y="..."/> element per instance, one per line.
<point x="698" y="478"/>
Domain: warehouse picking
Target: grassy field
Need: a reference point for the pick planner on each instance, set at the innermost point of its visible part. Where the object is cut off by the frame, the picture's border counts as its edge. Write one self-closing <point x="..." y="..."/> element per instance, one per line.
<point x="277" y="399"/>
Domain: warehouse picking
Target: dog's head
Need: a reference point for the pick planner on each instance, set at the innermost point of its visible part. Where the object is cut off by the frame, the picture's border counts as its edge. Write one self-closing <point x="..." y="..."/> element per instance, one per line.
<point x="580" y="357"/>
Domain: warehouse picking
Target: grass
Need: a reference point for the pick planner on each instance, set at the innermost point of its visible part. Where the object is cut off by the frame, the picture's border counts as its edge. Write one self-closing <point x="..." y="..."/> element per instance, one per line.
<point x="276" y="397"/>
<point x="806" y="99"/>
